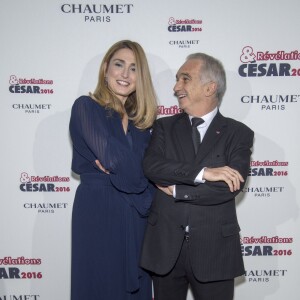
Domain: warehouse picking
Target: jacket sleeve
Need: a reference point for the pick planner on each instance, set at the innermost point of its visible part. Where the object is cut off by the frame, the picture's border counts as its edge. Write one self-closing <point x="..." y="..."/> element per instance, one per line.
<point x="164" y="171"/>
<point x="212" y="193"/>
<point x="91" y="139"/>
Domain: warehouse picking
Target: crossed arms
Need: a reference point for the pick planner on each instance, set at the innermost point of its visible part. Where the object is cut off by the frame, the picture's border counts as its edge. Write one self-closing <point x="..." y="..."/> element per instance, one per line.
<point x="221" y="184"/>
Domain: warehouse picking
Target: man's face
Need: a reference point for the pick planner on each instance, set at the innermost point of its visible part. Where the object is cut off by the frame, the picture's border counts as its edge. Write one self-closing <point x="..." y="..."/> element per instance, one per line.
<point x="189" y="89"/>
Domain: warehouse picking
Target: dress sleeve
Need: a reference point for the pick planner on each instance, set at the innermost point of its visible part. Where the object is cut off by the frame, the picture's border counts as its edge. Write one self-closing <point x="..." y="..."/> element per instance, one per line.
<point x="92" y="139"/>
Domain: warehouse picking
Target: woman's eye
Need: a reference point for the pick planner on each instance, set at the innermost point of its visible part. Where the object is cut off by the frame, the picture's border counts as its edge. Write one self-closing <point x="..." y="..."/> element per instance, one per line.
<point x="118" y="64"/>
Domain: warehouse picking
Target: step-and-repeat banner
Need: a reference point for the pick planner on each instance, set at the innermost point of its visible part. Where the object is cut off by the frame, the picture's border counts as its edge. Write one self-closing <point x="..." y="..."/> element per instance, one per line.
<point x="50" y="55"/>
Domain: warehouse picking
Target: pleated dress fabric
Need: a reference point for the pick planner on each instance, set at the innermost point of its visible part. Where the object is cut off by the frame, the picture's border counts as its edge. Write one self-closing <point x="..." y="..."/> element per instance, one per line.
<point x="110" y="210"/>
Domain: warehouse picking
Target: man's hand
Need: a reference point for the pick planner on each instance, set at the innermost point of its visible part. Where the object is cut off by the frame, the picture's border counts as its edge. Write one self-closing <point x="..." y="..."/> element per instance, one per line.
<point x="101" y="167"/>
<point x="166" y="189"/>
<point x="232" y="177"/>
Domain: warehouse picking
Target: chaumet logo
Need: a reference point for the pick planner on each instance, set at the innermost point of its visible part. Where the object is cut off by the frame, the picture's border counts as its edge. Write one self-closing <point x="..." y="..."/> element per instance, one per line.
<point x="19" y="297"/>
<point x="264" y="275"/>
<point x="96" y="12"/>
<point x="271" y="102"/>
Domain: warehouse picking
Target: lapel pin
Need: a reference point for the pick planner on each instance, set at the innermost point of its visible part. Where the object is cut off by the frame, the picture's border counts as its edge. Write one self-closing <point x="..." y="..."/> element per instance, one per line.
<point x="217" y="132"/>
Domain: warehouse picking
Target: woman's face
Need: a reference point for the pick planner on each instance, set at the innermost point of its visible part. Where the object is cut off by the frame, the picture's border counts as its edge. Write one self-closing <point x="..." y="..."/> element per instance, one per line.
<point x="121" y="74"/>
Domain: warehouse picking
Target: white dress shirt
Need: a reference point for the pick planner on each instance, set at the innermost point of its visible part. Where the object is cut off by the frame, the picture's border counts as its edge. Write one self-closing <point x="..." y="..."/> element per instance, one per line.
<point x="202" y="128"/>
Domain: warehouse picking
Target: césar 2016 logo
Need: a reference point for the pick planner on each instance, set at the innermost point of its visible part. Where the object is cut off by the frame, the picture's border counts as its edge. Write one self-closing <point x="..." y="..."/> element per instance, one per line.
<point x="29" y="86"/>
<point x="184" y="25"/>
<point x="42" y="184"/>
<point x="250" y="67"/>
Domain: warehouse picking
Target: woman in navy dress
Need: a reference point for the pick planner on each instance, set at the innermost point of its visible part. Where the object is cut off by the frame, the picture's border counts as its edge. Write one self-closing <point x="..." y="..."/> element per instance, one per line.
<point x="110" y="131"/>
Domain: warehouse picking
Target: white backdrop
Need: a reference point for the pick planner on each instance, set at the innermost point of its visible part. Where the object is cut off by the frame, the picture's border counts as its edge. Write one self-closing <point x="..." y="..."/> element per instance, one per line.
<point x="50" y="55"/>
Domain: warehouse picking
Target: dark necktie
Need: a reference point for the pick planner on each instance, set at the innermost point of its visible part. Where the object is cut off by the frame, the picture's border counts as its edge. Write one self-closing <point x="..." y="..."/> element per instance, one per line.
<point x="195" y="133"/>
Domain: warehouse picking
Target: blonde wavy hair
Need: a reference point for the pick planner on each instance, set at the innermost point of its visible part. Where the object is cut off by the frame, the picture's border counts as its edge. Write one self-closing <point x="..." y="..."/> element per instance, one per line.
<point x="141" y="105"/>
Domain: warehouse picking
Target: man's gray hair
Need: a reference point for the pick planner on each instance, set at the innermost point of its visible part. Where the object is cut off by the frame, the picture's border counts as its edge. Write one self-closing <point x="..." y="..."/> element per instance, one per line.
<point x="211" y="70"/>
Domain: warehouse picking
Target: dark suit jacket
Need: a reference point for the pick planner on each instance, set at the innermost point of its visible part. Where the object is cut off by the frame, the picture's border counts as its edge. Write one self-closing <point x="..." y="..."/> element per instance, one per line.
<point x="208" y="208"/>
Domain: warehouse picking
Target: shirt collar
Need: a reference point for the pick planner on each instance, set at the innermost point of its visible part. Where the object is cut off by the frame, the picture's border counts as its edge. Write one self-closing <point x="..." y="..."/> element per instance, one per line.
<point x="208" y="117"/>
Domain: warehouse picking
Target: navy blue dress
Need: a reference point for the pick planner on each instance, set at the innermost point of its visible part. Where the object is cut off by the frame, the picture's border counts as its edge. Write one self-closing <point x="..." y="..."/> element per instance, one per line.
<point x="110" y="210"/>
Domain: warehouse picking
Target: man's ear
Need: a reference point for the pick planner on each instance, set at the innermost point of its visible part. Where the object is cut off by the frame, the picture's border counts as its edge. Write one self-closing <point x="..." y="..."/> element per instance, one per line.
<point x="210" y="89"/>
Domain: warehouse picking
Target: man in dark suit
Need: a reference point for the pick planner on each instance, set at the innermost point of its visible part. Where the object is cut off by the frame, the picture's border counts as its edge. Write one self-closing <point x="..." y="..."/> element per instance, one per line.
<point x="192" y="238"/>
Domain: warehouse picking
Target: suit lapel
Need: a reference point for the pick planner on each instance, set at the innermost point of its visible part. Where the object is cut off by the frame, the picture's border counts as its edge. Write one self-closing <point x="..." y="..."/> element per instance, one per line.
<point x="214" y="133"/>
<point x="182" y="135"/>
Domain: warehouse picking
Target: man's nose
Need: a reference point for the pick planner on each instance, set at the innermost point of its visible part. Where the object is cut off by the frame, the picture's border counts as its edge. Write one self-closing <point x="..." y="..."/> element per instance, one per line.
<point x="176" y="86"/>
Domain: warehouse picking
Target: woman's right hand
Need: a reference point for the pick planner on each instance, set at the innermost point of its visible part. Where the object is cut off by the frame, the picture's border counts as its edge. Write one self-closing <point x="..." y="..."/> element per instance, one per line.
<point x="101" y="167"/>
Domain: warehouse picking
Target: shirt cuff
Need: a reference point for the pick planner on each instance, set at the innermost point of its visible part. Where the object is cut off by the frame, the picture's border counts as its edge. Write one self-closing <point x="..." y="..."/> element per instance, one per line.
<point x="199" y="178"/>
